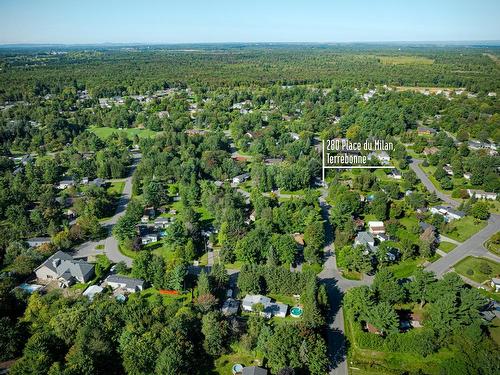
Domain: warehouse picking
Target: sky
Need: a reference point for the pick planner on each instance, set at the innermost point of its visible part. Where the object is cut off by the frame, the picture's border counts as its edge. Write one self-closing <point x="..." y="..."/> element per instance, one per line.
<point x="207" y="21"/>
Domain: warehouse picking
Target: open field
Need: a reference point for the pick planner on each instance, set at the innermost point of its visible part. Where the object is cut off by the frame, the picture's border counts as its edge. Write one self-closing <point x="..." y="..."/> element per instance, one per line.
<point x="446" y="246"/>
<point x="398" y="60"/>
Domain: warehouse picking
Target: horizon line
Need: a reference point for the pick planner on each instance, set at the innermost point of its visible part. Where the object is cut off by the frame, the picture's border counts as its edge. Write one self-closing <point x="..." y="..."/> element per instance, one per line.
<point x="475" y="41"/>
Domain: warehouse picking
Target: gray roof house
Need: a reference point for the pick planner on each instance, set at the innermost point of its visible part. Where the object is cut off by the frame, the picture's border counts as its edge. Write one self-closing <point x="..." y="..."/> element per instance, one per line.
<point x="162" y="222"/>
<point x="61" y="266"/>
<point x="254" y="370"/>
<point x="365" y="239"/>
<point x="270" y="308"/>
<point x="128" y="284"/>
<point x="38" y="241"/>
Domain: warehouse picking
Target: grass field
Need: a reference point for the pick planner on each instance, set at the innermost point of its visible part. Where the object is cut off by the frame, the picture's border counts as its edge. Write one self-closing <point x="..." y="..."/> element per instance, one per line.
<point x="446" y="246"/>
<point x="405" y="60"/>
<point x="405" y="268"/>
<point x="116" y="188"/>
<point x="224" y="364"/>
<point x="473" y="268"/>
<point x="104" y="132"/>
<point x="461" y="230"/>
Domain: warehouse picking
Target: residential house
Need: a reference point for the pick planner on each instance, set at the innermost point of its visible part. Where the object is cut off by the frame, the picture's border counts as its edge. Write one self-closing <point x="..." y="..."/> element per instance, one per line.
<point x="64" y="184"/>
<point x="38" y="241"/>
<point x="270" y="308"/>
<point x="145" y="219"/>
<point x="448" y="170"/>
<point x="62" y="267"/>
<point x="254" y="370"/>
<point x="124" y="283"/>
<point x="395" y="174"/>
<point x="481" y="194"/>
<point x="99" y="182"/>
<point x="149" y="238"/>
<point x="92" y="291"/>
<point x="241" y="178"/>
<point x="425" y="130"/>
<point x="376" y="227"/>
<point x="467" y="175"/>
<point x="382" y="156"/>
<point x="162" y="222"/>
<point x="495" y="284"/>
<point x="448" y="213"/>
<point x="295" y="136"/>
<point x="476" y="145"/>
<point x="230" y="307"/>
<point x="365" y="239"/>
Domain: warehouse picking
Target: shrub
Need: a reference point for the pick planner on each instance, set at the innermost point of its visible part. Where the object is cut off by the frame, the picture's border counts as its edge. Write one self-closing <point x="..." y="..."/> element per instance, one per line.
<point x="469" y="271"/>
<point x="485" y="268"/>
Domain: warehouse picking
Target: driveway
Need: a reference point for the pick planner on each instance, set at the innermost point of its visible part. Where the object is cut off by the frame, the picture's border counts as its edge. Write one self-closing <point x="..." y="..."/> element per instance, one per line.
<point x="110" y="243"/>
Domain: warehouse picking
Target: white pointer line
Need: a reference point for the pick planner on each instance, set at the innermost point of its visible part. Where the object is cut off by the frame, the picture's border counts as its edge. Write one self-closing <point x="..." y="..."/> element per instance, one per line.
<point x="358" y="166"/>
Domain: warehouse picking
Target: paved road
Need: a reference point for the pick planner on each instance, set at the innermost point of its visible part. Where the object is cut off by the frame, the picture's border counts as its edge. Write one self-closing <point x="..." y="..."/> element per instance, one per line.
<point x="472" y="246"/>
<point x="110" y="243"/>
<point x="415" y="166"/>
<point x="336" y="285"/>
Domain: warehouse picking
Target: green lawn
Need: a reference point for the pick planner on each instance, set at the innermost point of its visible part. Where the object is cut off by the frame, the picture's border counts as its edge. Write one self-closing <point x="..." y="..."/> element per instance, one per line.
<point x="446" y="246"/>
<point x="352" y="275"/>
<point x="288" y="300"/>
<point x="116" y="188"/>
<point x="405" y="268"/>
<point x="225" y="363"/>
<point x="105" y="132"/>
<point x="461" y="230"/>
<point x="472" y="268"/>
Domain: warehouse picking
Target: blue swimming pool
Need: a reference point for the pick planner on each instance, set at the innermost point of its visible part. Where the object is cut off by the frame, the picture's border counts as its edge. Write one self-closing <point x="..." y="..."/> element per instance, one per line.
<point x="30" y="288"/>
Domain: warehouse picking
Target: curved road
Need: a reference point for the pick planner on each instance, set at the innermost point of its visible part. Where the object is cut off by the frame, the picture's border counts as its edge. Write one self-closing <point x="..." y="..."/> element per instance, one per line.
<point x="473" y="246"/>
<point x="110" y="243"/>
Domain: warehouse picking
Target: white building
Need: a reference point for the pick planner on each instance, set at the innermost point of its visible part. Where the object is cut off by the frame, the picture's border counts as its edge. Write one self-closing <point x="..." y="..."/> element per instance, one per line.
<point x="376" y="227"/>
<point x="481" y="194"/>
<point x="270" y="308"/>
<point x="124" y="283"/>
<point x="448" y="213"/>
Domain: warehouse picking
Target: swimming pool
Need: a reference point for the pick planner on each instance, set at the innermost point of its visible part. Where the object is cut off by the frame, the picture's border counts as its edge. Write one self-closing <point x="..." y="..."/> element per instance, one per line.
<point x="296" y="312"/>
<point x="30" y="288"/>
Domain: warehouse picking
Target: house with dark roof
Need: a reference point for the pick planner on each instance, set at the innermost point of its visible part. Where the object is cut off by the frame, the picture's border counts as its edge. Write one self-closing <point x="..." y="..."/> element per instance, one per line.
<point x="127" y="284"/>
<point x="254" y="370"/>
<point x="62" y="267"/>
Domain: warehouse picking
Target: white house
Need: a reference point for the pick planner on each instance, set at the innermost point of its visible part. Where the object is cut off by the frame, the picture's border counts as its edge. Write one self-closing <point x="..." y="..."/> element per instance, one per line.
<point x="162" y="222"/>
<point x="395" y="174"/>
<point x="145" y="219"/>
<point x="382" y="156"/>
<point x="495" y="283"/>
<point x="64" y="184"/>
<point x="448" y="213"/>
<point x="241" y="178"/>
<point x="124" y="283"/>
<point x="149" y="238"/>
<point x="270" y="308"/>
<point x="481" y="194"/>
<point x="376" y="227"/>
<point x="92" y="291"/>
